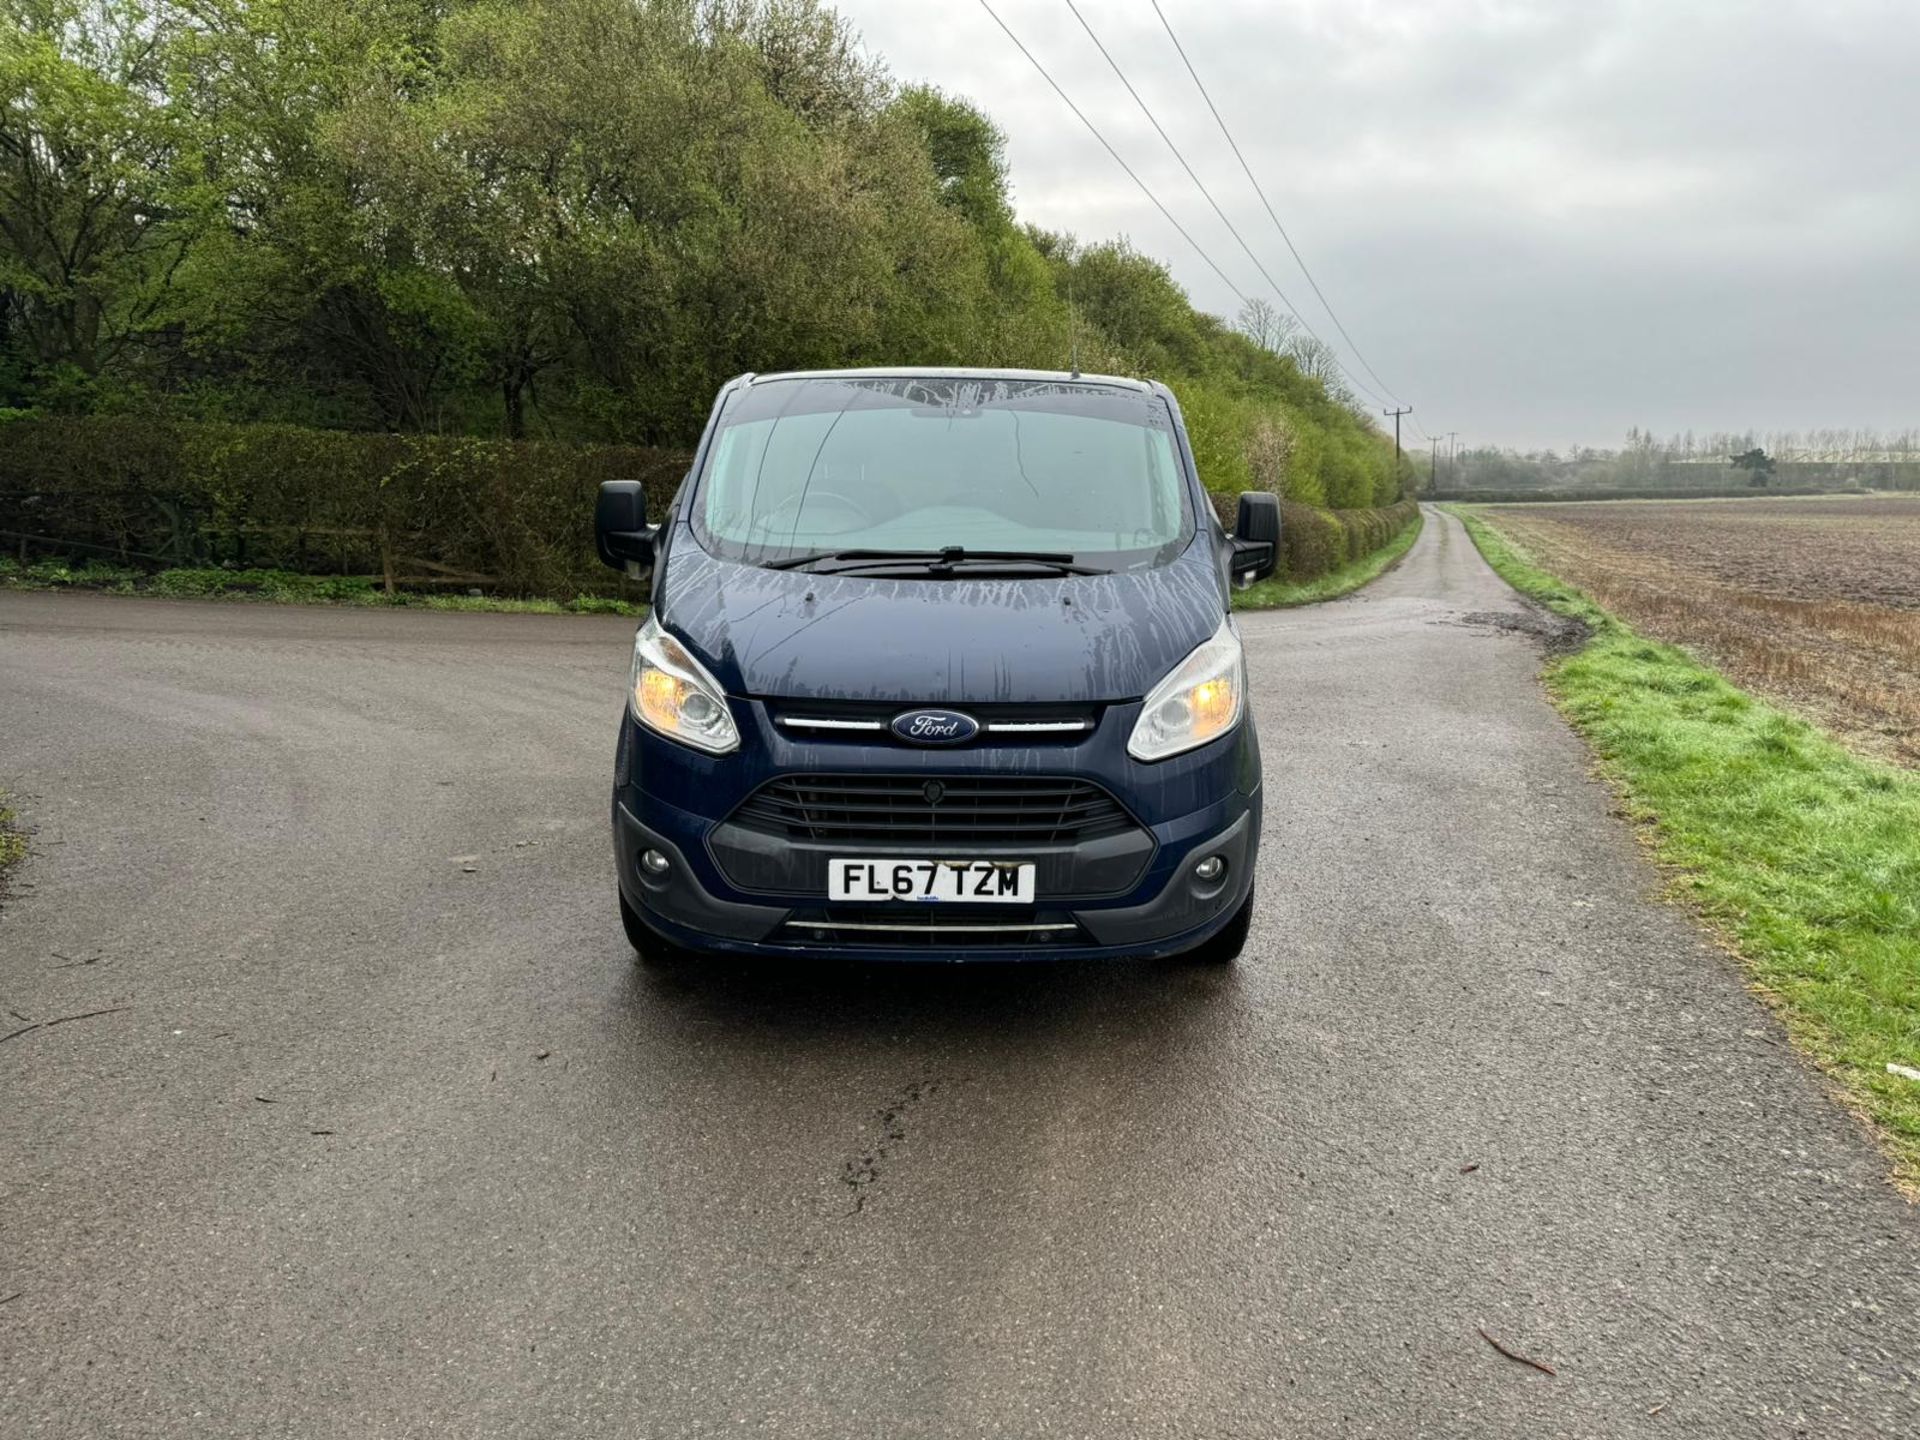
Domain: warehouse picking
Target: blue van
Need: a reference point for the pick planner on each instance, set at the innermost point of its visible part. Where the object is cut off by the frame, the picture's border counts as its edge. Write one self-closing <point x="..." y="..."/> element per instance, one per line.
<point x="940" y="665"/>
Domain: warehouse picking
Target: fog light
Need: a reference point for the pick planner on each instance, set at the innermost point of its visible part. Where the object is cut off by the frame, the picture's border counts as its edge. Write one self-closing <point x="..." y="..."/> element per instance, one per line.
<point x="653" y="862"/>
<point x="1211" y="868"/>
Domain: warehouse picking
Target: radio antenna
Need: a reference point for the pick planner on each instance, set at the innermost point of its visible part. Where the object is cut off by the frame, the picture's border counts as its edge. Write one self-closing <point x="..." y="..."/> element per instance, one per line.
<point x="1073" y="330"/>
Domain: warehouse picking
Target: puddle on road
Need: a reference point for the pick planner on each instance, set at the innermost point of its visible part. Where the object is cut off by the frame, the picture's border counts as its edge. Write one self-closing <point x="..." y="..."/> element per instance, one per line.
<point x="1556" y="634"/>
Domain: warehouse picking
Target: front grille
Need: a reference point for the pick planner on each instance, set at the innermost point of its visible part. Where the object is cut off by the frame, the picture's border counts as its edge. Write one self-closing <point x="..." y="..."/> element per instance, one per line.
<point x="934" y="927"/>
<point x="929" y="810"/>
<point x="865" y="722"/>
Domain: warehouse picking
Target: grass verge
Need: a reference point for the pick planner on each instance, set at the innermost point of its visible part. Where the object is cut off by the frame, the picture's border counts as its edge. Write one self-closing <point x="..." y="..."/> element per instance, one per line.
<point x="13" y="845"/>
<point x="1802" y="855"/>
<point x="1273" y="594"/>
<point x="281" y="587"/>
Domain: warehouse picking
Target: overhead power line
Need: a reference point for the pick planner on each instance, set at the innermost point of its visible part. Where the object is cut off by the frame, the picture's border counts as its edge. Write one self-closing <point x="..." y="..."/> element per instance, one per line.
<point x="1115" y="154"/>
<point x="1234" y="146"/>
<point x="1207" y="194"/>
<point x="1167" y="214"/>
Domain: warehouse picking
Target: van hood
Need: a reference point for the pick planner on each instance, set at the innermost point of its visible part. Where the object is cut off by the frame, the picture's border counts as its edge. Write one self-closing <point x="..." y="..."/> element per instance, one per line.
<point x="793" y="635"/>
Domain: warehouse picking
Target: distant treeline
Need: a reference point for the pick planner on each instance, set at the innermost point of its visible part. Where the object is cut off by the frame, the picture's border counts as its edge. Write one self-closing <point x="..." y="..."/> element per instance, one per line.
<point x="1601" y="492"/>
<point x="1781" y="461"/>
<point x="563" y="220"/>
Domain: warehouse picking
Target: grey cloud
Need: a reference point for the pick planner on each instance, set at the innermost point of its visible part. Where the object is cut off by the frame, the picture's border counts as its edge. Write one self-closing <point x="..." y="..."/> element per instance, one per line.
<point x="1544" y="220"/>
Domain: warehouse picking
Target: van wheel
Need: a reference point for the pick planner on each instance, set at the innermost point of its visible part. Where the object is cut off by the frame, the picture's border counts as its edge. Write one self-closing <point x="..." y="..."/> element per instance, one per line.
<point x="648" y="948"/>
<point x="1224" y="946"/>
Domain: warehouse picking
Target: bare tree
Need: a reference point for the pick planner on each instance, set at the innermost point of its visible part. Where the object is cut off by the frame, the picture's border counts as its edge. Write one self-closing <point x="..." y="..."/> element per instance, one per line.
<point x="1266" y="326"/>
<point x="1317" y="361"/>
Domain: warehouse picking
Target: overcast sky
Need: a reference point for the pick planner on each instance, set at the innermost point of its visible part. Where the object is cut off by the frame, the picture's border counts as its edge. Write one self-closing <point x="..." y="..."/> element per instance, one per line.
<point x="1543" y="221"/>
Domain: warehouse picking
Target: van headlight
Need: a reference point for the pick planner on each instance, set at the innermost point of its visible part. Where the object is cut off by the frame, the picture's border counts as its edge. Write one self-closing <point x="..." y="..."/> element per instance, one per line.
<point x="1200" y="700"/>
<point x="674" y="696"/>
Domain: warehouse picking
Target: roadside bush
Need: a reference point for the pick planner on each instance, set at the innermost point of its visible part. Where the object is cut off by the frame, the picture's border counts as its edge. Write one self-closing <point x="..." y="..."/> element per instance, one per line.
<point x="515" y="516"/>
<point x="1249" y="441"/>
<point x="60" y="574"/>
<point x="261" y="509"/>
<point x="1316" y="542"/>
<point x="1312" y="542"/>
<point x="1269" y="450"/>
<point x="1217" y="427"/>
<point x="1368" y="530"/>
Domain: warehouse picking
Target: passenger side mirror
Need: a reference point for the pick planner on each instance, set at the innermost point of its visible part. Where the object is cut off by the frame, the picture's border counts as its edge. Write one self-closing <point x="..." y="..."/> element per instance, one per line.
<point x="1256" y="537"/>
<point x="620" y="530"/>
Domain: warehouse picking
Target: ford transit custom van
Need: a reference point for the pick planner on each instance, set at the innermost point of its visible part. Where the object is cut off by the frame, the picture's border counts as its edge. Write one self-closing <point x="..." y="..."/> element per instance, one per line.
<point x="940" y="664"/>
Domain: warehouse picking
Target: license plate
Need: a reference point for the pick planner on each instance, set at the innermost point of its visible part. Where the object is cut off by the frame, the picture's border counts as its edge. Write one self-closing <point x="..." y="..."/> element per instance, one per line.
<point x="980" y="881"/>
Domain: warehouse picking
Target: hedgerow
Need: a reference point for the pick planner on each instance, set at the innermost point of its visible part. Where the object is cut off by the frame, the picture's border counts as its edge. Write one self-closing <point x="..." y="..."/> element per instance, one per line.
<point x="508" y="516"/>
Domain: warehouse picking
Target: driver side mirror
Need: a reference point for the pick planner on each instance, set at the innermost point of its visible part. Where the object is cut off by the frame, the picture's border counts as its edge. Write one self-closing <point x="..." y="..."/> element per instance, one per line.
<point x="620" y="530"/>
<point x="1256" y="537"/>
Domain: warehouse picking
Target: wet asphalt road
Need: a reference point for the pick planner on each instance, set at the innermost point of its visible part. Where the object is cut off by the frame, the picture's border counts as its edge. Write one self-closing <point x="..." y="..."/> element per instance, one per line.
<point x="384" y="1145"/>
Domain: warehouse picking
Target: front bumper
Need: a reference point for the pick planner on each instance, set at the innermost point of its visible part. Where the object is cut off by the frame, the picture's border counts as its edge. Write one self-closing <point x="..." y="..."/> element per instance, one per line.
<point x="1182" y="913"/>
<point x="1156" y="907"/>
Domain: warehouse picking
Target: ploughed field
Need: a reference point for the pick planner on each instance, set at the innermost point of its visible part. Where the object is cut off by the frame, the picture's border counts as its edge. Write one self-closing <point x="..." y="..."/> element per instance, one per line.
<point x="1811" y="602"/>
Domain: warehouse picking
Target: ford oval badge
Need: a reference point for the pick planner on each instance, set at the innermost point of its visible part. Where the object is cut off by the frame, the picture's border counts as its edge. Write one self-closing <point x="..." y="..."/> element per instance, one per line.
<point x="935" y="727"/>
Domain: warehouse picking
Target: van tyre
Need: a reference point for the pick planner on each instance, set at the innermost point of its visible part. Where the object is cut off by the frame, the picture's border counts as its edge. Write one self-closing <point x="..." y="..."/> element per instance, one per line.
<point x="1224" y="946"/>
<point x="649" y="949"/>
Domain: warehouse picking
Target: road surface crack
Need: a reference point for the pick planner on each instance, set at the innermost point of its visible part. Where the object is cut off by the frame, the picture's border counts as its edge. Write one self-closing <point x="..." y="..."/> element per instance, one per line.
<point x="862" y="1172"/>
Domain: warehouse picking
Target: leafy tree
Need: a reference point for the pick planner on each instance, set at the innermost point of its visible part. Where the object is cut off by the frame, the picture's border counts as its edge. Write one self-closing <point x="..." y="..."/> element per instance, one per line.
<point x="306" y="280"/>
<point x="573" y="217"/>
<point x="87" y="149"/>
<point x="1136" y="305"/>
<point x="1758" y="465"/>
<point x="810" y="60"/>
<point x="1019" y="318"/>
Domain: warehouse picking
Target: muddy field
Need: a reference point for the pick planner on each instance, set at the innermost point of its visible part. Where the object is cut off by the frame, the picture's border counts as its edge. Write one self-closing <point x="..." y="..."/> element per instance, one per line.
<point x="1812" y="602"/>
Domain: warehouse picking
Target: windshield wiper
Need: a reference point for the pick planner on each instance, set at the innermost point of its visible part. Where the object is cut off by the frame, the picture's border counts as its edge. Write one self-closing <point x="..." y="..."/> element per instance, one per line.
<point x="935" y="560"/>
<point x="814" y="557"/>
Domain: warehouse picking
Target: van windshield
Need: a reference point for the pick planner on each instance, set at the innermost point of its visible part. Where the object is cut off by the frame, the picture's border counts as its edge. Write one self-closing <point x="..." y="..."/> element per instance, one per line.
<point x="818" y="467"/>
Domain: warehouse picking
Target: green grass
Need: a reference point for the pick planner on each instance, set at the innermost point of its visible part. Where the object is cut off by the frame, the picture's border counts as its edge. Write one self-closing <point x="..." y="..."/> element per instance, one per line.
<point x="1802" y="855"/>
<point x="1272" y="594"/>
<point x="280" y="586"/>
<point x="13" y="845"/>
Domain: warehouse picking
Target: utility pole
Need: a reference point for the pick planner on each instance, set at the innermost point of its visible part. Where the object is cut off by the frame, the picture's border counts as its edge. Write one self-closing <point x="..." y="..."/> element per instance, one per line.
<point x="1396" y="414"/>
<point x="1453" y="463"/>
<point x="1433" y="465"/>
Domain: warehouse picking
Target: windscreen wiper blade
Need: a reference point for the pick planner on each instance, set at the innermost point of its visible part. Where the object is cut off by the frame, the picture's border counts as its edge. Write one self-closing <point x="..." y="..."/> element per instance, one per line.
<point x="796" y="562"/>
<point x="936" y="560"/>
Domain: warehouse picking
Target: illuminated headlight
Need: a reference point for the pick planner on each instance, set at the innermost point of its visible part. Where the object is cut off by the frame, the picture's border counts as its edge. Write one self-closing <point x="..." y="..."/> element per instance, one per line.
<point x="674" y="696"/>
<point x="1199" y="701"/>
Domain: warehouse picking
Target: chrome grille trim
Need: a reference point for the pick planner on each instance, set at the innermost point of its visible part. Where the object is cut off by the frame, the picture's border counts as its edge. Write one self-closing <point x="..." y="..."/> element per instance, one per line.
<point x="924" y="929"/>
<point x="869" y="722"/>
<point x="812" y="722"/>
<point x="996" y="727"/>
